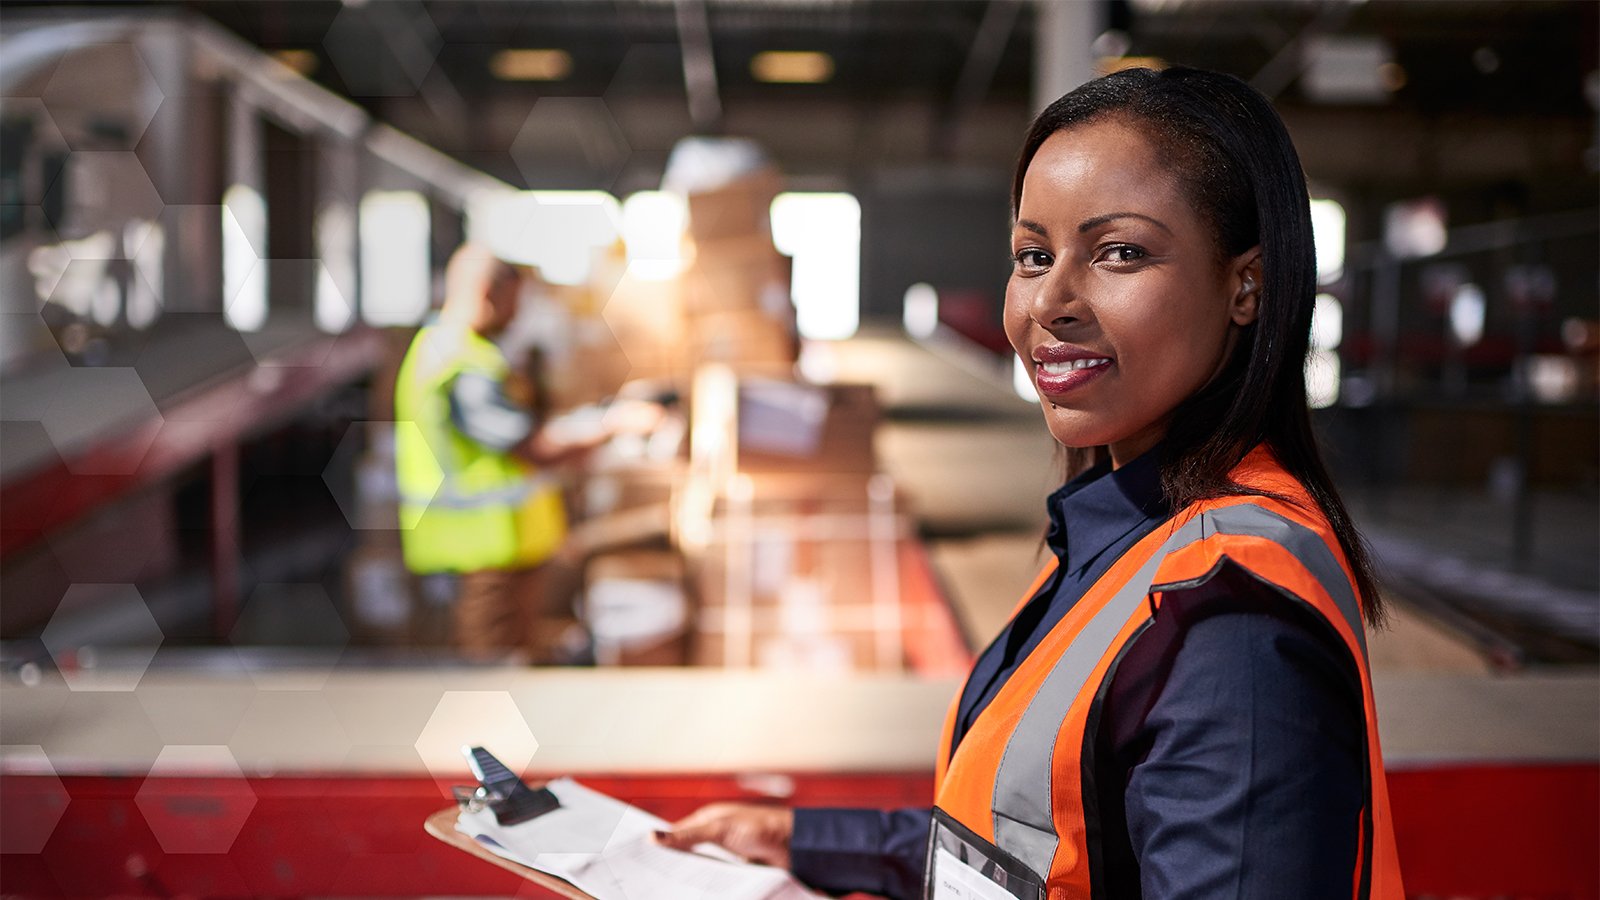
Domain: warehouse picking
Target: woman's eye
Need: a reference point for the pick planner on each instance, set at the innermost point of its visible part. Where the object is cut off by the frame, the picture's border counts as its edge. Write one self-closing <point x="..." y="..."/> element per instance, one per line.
<point x="1032" y="259"/>
<point x="1122" y="253"/>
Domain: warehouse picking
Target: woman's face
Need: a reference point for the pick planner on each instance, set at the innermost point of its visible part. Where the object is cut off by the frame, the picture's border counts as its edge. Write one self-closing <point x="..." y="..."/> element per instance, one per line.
<point x="1118" y="304"/>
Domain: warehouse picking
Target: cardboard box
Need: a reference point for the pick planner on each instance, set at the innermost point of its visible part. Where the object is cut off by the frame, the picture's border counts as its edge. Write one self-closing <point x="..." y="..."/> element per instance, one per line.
<point x="793" y="580"/>
<point x="796" y="427"/>
<point x="590" y="373"/>
<point x="747" y="342"/>
<point x="614" y="490"/>
<point x="740" y="208"/>
<point x="739" y="275"/>
<point x="645" y="319"/>
<point x="637" y="608"/>
<point x="637" y="528"/>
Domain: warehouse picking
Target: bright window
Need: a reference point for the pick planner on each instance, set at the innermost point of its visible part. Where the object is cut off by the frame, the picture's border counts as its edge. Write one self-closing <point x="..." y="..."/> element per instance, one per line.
<point x="822" y="232"/>
<point x="336" y="244"/>
<point x="1322" y="379"/>
<point x="652" y="228"/>
<point x="1327" y="230"/>
<point x="921" y="314"/>
<point x="396" y="279"/>
<point x="1327" y="323"/>
<point x="244" y="275"/>
<point x="558" y="231"/>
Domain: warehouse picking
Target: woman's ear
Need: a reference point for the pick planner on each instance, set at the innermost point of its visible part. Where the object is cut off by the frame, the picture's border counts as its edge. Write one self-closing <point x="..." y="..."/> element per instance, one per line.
<point x="1246" y="280"/>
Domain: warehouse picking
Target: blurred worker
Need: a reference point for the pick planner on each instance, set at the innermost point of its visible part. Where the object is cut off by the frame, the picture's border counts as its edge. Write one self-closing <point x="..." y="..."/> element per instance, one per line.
<point x="475" y="494"/>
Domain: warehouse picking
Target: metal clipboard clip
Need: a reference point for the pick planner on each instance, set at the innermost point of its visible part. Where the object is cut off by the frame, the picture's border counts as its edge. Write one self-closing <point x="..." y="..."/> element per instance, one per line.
<point x="500" y="790"/>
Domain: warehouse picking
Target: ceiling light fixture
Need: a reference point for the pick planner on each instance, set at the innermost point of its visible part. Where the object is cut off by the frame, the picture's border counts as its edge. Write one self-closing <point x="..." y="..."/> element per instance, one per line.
<point x="1393" y="76"/>
<point x="531" y="65"/>
<point x="792" y="67"/>
<point x="303" y="62"/>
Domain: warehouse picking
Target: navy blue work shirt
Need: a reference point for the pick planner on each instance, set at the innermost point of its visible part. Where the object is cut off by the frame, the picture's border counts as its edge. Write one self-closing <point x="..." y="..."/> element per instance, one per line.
<point x="1232" y="735"/>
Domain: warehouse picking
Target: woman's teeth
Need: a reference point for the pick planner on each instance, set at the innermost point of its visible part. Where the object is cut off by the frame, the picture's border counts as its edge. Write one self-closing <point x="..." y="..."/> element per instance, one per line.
<point x="1062" y="368"/>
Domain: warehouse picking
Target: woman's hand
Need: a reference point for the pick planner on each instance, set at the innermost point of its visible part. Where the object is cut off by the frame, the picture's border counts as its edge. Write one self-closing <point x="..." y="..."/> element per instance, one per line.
<point x="757" y="832"/>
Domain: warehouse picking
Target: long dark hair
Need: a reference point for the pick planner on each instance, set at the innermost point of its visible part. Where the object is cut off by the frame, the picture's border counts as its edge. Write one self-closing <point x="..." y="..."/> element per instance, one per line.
<point x="1240" y="170"/>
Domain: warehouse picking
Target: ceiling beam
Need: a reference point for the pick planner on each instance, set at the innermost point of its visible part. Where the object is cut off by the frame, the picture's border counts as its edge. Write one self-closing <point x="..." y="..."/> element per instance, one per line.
<point x="699" y="66"/>
<point x="977" y="72"/>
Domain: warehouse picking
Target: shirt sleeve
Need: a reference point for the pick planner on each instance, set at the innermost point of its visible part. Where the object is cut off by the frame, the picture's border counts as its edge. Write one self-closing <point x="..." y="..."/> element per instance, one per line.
<point x="874" y="851"/>
<point x="480" y="409"/>
<point x="1251" y="781"/>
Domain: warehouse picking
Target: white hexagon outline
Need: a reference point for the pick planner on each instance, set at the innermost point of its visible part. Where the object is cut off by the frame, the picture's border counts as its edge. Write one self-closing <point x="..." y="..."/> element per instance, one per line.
<point x="474" y="718"/>
<point x="322" y="659"/>
<point x="259" y="342"/>
<point x="152" y="83"/>
<point x="130" y="604"/>
<point x="124" y="180"/>
<point x="350" y="505"/>
<point x="336" y="45"/>
<point x="30" y="761"/>
<point x="592" y="109"/>
<point x="167" y="708"/>
<point x="215" y="762"/>
<point x="259" y="744"/>
<point x="72" y="440"/>
<point x="135" y="273"/>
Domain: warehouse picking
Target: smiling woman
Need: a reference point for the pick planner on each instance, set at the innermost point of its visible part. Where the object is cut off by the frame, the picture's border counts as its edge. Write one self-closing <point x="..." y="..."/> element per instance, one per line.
<point x="1181" y="705"/>
<point x="1119" y="304"/>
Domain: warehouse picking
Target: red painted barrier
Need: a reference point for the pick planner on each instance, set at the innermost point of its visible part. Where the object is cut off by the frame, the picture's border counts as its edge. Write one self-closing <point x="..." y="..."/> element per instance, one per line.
<point x="1499" y="830"/>
<point x="1464" y="832"/>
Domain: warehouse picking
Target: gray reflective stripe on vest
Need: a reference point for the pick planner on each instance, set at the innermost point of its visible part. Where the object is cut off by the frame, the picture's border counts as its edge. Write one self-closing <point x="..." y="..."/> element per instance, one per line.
<point x="1312" y="552"/>
<point x="510" y="495"/>
<point x="1022" y="786"/>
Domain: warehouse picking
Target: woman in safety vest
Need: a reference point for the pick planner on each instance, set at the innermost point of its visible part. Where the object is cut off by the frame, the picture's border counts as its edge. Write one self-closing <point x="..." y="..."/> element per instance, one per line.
<point x="1180" y="707"/>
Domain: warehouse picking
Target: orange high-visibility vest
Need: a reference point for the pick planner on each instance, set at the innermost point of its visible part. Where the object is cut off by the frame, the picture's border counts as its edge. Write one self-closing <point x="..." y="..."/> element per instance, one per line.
<point x="1016" y="779"/>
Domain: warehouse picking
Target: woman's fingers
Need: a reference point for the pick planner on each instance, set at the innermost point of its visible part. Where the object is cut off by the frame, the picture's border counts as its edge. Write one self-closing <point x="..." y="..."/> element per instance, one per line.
<point x="755" y="832"/>
<point x="704" y="824"/>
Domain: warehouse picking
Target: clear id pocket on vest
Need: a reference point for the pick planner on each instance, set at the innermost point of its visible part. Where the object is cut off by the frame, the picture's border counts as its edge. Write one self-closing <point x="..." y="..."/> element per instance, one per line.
<point x="963" y="866"/>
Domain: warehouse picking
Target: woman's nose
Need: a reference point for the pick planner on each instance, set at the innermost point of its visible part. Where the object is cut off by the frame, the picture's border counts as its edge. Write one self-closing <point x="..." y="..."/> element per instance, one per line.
<point x="1057" y="301"/>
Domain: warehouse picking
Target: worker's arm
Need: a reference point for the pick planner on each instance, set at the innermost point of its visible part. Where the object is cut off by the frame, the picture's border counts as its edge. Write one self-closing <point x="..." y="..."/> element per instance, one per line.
<point x="481" y="410"/>
<point x="870" y="850"/>
<point x="544" y="449"/>
<point x="1246" y="755"/>
<point x="584" y="430"/>
<point x="836" y="850"/>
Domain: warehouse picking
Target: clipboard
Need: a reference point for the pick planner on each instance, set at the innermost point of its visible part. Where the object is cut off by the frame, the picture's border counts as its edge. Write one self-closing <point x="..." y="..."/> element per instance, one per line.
<point x="593" y="841"/>
<point x="501" y="790"/>
<point x="442" y="825"/>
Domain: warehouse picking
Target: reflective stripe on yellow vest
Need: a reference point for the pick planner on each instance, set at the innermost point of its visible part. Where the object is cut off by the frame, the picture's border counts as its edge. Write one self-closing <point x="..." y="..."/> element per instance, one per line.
<point x="463" y="507"/>
<point x="1017" y="778"/>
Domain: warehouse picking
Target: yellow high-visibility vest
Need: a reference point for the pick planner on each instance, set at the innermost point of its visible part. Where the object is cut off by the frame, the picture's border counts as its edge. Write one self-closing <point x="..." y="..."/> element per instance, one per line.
<point x="463" y="506"/>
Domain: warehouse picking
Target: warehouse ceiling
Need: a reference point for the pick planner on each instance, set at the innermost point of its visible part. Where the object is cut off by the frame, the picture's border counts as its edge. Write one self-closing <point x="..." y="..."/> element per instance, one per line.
<point x="903" y="82"/>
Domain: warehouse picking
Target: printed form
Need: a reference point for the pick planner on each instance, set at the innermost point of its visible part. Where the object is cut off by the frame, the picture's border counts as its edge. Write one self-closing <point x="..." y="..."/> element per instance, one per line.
<point x="603" y="846"/>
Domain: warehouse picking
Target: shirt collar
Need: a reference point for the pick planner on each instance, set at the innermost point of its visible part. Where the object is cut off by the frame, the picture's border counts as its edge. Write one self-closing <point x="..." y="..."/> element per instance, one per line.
<point x="1096" y="509"/>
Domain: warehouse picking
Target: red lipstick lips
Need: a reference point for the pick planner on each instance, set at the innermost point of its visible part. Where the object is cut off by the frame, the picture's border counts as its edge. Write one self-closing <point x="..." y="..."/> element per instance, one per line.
<point x="1060" y="368"/>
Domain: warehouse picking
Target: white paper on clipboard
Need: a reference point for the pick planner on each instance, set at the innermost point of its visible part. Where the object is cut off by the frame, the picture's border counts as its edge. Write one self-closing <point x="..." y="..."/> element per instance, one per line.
<point x="603" y="846"/>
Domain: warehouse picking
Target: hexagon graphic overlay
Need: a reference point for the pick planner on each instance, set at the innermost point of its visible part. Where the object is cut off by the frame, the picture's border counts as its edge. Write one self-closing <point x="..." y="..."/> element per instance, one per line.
<point x="196" y="799"/>
<point x="102" y="637"/>
<point x="35" y="799"/>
